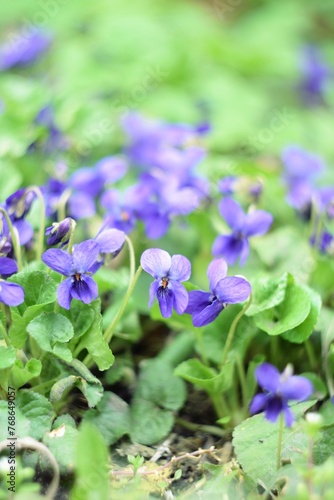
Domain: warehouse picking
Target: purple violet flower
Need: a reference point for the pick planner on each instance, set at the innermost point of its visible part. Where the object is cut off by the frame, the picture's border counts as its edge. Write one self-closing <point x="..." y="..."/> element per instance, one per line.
<point x="23" y="50"/>
<point x="168" y="273"/>
<point x="77" y="267"/>
<point x="59" y="232"/>
<point x="236" y="245"/>
<point x="11" y="294"/>
<point x="206" y="306"/>
<point x="279" y="390"/>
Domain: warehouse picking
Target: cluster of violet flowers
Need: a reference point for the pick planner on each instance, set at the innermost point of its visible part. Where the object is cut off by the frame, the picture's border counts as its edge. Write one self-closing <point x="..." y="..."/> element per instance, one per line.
<point x="165" y="157"/>
<point x="302" y="170"/>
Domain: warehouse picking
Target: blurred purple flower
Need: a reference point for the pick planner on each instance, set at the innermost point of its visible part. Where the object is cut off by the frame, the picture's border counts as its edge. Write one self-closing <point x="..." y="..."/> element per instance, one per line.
<point x="167" y="146"/>
<point x="279" y="390"/>
<point x="206" y="306"/>
<point x="227" y="185"/>
<point x="324" y="242"/>
<point x="316" y="74"/>
<point x="236" y="245"/>
<point x="168" y="273"/>
<point x="11" y="294"/>
<point x="77" y="267"/>
<point x="121" y="208"/>
<point x="55" y="140"/>
<point x="23" y="50"/>
<point x="300" y="170"/>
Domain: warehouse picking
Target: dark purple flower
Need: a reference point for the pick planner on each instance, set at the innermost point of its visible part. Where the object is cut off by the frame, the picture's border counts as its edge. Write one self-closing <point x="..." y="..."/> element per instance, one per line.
<point x="59" y="232"/>
<point x="77" y="267"/>
<point x="279" y="389"/>
<point x="206" y="306"/>
<point x="11" y="294"/>
<point x="236" y="245"/>
<point x="168" y="273"/>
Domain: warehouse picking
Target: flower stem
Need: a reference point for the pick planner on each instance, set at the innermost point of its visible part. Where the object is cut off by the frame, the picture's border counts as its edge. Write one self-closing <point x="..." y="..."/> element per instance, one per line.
<point x="311" y="354"/>
<point x="5" y="335"/>
<point x="200" y="343"/>
<point x="71" y="240"/>
<point x="14" y="237"/>
<point x="132" y="258"/>
<point x="242" y="380"/>
<point x="279" y="443"/>
<point x="61" y="214"/>
<point x="210" y="429"/>
<point x="219" y="404"/>
<point x="110" y="330"/>
<point x="40" y="240"/>
<point x="232" y="330"/>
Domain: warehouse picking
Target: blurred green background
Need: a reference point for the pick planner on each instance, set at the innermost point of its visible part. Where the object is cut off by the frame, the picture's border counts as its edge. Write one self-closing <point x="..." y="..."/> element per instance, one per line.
<point x="236" y="63"/>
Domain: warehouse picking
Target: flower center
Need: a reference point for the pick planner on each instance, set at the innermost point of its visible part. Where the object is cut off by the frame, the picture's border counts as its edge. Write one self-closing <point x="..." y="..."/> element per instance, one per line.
<point x="77" y="276"/>
<point x="125" y="216"/>
<point x="164" y="282"/>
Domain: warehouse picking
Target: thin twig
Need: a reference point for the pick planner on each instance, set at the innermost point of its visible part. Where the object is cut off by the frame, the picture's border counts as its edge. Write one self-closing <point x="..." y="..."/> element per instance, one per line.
<point x="142" y="470"/>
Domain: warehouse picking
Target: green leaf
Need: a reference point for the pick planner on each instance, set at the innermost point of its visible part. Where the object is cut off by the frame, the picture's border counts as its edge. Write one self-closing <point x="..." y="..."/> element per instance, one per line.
<point x="81" y="316"/>
<point x="158" y="394"/>
<point x="302" y="332"/>
<point x="111" y="417"/>
<point x="51" y="331"/>
<point x="323" y="448"/>
<point x="62" y="442"/>
<point x="288" y="314"/>
<point x="319" y="387"/>
<point x="34" y="415"/>
<point x="149" y="423"/>
<point x="92" y="479"/>
<point x="215" y="335"/>
<point x="39" y="294"/>
<point x="94" y="342"/>
<point x="157" y="384"/>
<point x="206" y="378"/>
<point x="284" y="250"/>
<point x="327" y="413"/>
<point x="39" y="288"/>
<point x="20" y="374"/>
<point x="267" y="293"/>
<point x="7" y="357"/>
<point x="255" y="442"/>
<point x="90" y="386"/>
<point x="175" y="322"/>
